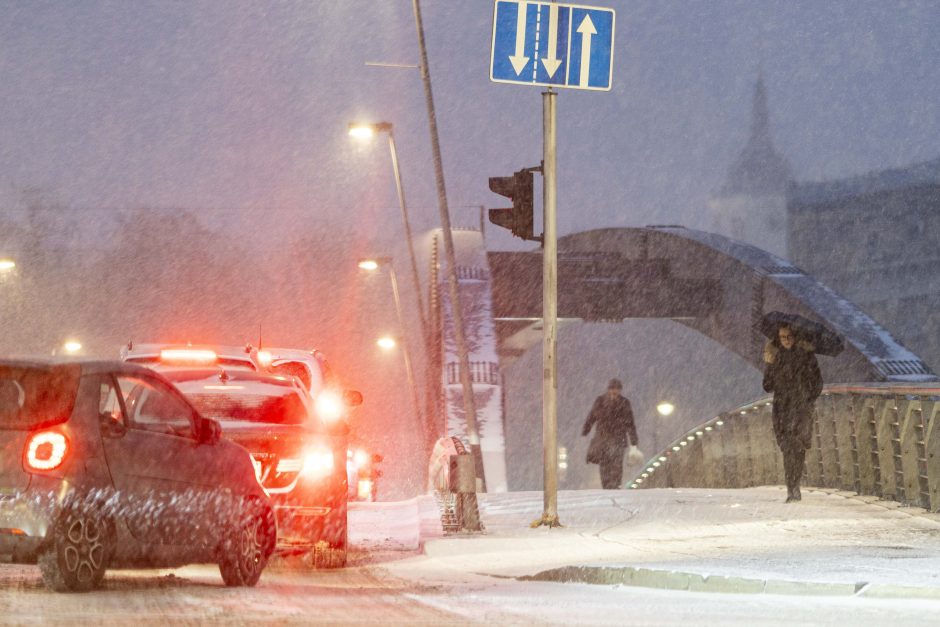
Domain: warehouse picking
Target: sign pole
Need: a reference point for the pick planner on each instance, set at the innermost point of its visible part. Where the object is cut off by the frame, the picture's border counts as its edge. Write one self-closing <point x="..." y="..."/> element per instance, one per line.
<point x="550" y="43"/>
<point x="549" y="316"/>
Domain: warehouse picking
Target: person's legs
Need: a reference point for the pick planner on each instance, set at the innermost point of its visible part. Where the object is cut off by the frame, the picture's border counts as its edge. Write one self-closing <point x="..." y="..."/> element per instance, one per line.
<point x="799" y="463"/>
<point x="794" y="461"/>
<point x="611" y="472"/>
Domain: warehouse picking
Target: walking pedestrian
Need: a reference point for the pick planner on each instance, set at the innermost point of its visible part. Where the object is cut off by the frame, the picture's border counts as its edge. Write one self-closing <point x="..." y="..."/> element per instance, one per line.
<point x="615" y="430"/>
<point x="792" y="374"/>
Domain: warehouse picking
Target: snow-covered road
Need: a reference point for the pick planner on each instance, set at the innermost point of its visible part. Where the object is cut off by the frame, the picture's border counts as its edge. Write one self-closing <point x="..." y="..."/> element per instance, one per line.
<point x="473" y="578"/>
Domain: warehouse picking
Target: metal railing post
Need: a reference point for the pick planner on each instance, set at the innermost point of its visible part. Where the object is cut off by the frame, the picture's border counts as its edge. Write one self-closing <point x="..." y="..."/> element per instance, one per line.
<point x="932" y="451"/>
<point x="844" y="423"/>
<point x="885" y="419"/>
<point x="828" y="452"/>
<point x="910" y="435"/>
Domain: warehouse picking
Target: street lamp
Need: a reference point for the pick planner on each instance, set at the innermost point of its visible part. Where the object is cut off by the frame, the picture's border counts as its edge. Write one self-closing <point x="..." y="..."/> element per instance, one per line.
<point x="362" y="130"/>
<point x="68" y="347"/>
<point x="6" y="265"/>
<point x="388" y="343"/>
<point x="665" y="408"/>
<point x="72" y="346"/>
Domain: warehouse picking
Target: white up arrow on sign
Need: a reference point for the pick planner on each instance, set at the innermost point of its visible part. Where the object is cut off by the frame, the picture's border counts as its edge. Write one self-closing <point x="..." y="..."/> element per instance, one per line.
<point x="587" y="31"/>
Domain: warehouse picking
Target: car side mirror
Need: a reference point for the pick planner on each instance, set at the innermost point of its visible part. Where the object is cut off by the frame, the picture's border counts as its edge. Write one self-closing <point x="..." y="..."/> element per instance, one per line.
<point x="210" y="431"/>
<point x="111" y="428"/>
<point x="352" y="398"/>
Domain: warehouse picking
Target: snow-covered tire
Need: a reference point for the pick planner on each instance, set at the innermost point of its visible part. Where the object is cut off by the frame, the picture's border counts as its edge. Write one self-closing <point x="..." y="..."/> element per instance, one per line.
<point x="78" y="555"/>
<point x="247" y="546"/>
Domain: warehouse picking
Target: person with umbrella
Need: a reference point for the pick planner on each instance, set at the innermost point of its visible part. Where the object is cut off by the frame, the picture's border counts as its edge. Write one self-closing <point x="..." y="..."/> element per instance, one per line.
<point x="792" y="374"/>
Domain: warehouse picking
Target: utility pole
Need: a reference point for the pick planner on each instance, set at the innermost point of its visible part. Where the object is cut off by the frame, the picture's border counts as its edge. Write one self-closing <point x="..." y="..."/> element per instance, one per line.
<point x="461" y="340"/>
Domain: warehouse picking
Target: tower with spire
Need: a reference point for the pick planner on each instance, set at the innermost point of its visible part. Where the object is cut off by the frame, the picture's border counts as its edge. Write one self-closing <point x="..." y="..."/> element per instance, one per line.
<point x="752" y="204"/>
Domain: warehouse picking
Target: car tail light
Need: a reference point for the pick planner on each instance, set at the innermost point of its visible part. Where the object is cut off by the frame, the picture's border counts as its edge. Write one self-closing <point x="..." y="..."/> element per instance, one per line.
<point x="46" y="450"/>
<point x="265" y="358"/>
<point x="188" y="355"/>
<point x="329" y="406"/>
<point x="361" y="457"/>
<point x="318" y="463"/>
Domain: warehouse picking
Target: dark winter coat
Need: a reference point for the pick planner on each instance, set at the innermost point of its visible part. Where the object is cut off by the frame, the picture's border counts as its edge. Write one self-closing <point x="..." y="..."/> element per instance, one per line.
<point x="795" y="380"/>
<point x="615" y="429"/>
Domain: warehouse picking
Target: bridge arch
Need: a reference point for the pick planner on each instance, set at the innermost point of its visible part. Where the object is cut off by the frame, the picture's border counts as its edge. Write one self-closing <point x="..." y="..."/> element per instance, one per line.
<point x="718" y="286"/>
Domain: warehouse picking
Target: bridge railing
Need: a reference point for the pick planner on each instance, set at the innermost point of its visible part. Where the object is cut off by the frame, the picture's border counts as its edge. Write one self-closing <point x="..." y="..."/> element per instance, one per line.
<point x="875" y="439"/>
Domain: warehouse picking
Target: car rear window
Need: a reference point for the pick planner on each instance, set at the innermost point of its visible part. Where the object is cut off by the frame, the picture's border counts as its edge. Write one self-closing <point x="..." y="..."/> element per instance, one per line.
<point x="286" y="409"/>
<point x="33" y="397"/>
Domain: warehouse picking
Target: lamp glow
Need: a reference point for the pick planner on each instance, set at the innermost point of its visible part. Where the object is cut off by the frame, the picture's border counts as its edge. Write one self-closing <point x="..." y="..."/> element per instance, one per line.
<point x="72" y="346"/>
<point x="361" y="131"/>
<point x="369" y="264"/>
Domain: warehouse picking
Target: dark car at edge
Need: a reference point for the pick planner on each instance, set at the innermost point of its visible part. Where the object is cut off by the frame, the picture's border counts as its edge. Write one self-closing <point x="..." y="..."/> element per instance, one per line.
<point x="106" y="465"/>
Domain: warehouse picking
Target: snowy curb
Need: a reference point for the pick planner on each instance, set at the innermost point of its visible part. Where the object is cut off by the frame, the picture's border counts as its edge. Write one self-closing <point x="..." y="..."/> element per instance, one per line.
<point x="692" y="582"/>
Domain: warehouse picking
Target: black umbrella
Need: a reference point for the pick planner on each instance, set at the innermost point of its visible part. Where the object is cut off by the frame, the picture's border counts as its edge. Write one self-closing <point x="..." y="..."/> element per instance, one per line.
<point x="826" y="341"/>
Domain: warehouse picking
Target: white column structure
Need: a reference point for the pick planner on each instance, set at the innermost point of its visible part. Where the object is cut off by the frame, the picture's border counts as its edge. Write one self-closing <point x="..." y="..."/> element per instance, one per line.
<point x="473" y="277"/>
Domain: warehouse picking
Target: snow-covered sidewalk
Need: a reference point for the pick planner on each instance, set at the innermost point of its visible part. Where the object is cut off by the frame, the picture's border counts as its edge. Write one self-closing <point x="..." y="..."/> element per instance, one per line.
<point x="747" y="534"/>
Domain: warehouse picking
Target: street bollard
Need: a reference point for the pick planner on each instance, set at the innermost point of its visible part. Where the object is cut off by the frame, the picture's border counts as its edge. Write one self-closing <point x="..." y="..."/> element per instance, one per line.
<point x="462" y="482"/>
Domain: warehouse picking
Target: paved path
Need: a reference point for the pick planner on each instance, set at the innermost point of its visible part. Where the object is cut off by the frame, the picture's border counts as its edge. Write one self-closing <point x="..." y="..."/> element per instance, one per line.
<point x="827" y="538"/>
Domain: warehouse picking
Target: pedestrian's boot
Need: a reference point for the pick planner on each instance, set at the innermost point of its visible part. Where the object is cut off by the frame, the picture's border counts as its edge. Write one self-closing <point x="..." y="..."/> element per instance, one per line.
<point x="793" y="494"/>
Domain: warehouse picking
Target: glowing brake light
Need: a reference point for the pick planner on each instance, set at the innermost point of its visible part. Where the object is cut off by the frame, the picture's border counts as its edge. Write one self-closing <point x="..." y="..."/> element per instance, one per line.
<point x="188" y="355"/>
<point x="318" y="463"/>
<point x="265" y="358"/>
<point x="329" y="406"/>
<point x="46" y="450"/>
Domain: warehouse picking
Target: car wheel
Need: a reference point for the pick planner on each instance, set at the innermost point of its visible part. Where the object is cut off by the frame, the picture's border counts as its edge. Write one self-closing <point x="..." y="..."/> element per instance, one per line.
<point x="246" y="548"/>
<point x="78" y="555"/>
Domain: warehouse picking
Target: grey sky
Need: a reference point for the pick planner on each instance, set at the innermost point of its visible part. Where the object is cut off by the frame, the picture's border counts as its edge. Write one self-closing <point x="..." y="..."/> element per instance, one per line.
<point x="243" y="105"/>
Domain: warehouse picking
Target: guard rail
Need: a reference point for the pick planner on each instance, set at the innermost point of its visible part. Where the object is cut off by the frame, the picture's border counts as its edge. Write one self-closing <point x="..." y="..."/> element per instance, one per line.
<point x="874" y="439"/>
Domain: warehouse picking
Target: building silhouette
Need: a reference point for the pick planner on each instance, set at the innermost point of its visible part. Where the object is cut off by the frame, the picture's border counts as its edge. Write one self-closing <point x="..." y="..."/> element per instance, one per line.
<point x="873" y="238"/>
<point x="752" y="204"/>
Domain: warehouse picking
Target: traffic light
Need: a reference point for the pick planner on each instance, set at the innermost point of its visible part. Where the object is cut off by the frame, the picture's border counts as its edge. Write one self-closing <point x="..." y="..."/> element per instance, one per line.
<point x="517" y="188"/>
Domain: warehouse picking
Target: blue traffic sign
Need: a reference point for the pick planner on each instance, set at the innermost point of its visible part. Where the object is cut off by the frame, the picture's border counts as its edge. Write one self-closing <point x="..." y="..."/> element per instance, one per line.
<point x="552" y="44"/>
